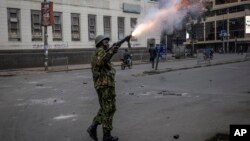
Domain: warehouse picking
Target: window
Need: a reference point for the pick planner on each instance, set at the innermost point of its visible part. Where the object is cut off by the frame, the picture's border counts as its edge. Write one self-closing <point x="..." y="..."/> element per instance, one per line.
<point x="75" y="27"/>
<point x="224" y="1"/>
<point x="210" y="13"/>
<point x="199" y="31"/>
<point x="236" y="9"/>
<point x="210" y="35"/>
<point x="92" y="26"/>
<point x="14" y="24"/>
<point x="133" y="22"/>
<point x="107" y="26"/>
<point x="236" y="28"/>
<point x="36" y="28"/>
<point x="221" y="11"/>
<point x="57" y="27"/>
<point x="241" y="8"/>
<point x="120" y="28"/>
<point x="233" y="9"/>
<point x="221" y="27"/>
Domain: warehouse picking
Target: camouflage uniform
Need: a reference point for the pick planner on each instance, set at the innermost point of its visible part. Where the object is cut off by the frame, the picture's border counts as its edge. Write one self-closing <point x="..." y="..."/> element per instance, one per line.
<point x="104" y="83"/>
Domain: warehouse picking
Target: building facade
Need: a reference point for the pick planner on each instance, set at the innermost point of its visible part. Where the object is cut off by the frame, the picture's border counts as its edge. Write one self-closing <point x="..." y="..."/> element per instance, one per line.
<point x="77" y="23"/>
<point x="223" y="27"/>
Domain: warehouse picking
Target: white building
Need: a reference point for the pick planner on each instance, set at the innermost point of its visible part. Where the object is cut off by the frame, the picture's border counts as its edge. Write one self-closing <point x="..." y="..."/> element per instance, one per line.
<point x="77" y="22"/>
<point x="20" y="22"/>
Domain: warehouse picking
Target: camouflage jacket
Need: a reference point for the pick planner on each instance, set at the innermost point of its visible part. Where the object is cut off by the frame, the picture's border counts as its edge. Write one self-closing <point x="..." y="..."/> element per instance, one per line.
<point x="102" y="70"/>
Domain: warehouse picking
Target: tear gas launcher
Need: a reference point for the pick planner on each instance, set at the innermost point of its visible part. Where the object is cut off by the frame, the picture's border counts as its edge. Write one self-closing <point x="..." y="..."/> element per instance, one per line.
<point x="119" y="43"/>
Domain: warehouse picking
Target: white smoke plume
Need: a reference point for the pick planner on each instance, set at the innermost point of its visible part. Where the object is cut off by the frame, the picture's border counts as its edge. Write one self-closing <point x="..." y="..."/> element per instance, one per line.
<point x="169" y="16"/>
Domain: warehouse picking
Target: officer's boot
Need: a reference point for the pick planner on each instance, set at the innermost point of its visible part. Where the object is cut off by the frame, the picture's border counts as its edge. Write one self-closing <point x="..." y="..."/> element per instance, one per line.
<point x="92" y="130"/>
<point x="107" y="136"/>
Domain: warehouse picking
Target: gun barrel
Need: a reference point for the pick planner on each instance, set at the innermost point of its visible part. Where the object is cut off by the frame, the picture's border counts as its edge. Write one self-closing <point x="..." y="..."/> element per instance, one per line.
<point x="119" y="43"/>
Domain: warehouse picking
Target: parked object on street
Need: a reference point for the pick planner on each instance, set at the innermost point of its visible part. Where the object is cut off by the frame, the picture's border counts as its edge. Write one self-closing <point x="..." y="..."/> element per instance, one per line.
<point x="126" y="63"/>
<point x="179" y="51"/>
<point x="126" y="60"/>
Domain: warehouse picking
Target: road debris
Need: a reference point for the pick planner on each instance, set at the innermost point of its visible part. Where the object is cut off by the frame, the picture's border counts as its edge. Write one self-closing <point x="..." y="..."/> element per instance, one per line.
<point x="177" y="136"/>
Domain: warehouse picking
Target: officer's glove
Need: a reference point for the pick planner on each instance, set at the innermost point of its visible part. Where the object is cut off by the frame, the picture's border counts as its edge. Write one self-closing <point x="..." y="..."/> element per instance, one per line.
<point x="115" y="50"/>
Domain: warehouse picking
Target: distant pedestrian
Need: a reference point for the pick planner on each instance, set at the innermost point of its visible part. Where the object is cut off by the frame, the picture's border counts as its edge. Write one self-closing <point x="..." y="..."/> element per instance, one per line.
<point x="211" y="53"/>
<point x="152" y="53"/>
<point x="240" y="51"/>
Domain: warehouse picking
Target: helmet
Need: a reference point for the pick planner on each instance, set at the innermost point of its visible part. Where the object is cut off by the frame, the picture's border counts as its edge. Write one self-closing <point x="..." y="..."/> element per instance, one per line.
<point x="100" y="38"/>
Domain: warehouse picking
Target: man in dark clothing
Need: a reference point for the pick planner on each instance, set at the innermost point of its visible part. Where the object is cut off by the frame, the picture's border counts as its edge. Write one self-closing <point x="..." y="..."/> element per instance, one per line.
<point x="104" y="83"/>
<point x="126" y="55"/>
<point x="152" y="53"/>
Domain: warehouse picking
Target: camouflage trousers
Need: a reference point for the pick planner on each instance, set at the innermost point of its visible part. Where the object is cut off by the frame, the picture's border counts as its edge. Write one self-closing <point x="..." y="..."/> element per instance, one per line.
<point x="107" y="109"/>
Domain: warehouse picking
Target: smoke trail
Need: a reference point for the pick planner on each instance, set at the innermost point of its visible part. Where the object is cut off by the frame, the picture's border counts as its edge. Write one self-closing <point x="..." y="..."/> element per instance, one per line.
<point x="170" y="15"/>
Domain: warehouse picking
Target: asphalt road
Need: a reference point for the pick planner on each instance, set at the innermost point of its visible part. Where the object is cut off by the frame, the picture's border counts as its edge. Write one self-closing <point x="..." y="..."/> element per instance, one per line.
<point x="192" y="104"/>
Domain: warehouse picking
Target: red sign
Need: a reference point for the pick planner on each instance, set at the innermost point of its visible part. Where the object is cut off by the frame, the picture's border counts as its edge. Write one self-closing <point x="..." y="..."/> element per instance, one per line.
<point x="47" y="13"/>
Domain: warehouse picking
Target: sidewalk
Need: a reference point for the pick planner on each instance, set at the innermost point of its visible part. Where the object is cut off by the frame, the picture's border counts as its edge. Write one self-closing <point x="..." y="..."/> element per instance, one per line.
<point x="172" y="63"/>
<point x="219" y="59"/>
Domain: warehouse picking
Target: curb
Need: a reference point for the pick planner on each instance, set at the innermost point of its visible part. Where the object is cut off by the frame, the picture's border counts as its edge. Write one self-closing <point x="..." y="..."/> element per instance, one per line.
<point x="40" y="70"/>
<point x="153" y="72"/>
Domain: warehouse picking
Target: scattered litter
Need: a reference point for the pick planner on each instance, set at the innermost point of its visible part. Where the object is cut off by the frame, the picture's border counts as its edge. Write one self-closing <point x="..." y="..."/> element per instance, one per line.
<point x="62" y="117"/>
<point x="184" y="94"/>
<point x="146" y="93"/>
<point x="39" y="85"/>
<point x="131" y="93"/>
<point x="49" y="101"/>
<point x="176" y="136"/>
<point x="164" y="92"/>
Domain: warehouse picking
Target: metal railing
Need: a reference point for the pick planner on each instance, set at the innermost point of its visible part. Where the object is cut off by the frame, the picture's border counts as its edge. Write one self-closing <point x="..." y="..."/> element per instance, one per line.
<point x="59" y="63"/>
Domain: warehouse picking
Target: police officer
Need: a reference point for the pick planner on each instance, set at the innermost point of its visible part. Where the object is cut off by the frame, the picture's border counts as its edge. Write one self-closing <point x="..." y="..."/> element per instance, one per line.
<point x="104" y="83"/>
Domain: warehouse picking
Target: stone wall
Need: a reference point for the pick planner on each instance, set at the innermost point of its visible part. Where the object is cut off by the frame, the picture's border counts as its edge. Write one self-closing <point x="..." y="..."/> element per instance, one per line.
<point x="12" y="59"/>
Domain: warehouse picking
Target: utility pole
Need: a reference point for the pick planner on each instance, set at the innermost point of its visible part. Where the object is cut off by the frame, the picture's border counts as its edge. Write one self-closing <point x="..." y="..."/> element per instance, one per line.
<point x="223" y="42"/>
<point x="235" y="44"/>
<point x="47" y="20"/>
<point x="45" y="46"/>
<point x="193" y="37"/>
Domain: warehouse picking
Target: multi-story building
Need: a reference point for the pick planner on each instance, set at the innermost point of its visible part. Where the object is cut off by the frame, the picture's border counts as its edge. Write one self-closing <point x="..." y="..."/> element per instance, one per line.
<point x="224" y="27"/>
<point x="77" y="22"/>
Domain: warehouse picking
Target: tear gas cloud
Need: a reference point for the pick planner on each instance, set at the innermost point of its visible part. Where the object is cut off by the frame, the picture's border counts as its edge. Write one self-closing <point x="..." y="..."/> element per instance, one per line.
<point x="170" y="16"/>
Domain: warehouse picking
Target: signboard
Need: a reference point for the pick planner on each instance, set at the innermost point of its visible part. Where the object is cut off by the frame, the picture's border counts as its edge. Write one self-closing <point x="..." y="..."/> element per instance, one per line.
<point x="247" y="25"/>
<point x="47" y="13"/>
<point x="131" y="8"/>
<point x="223" y="33"/>
<point x="161" y="48"/>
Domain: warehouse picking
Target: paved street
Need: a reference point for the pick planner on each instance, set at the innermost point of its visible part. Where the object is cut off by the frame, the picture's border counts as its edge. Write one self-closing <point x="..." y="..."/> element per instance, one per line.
<point x="192" y="105"/>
